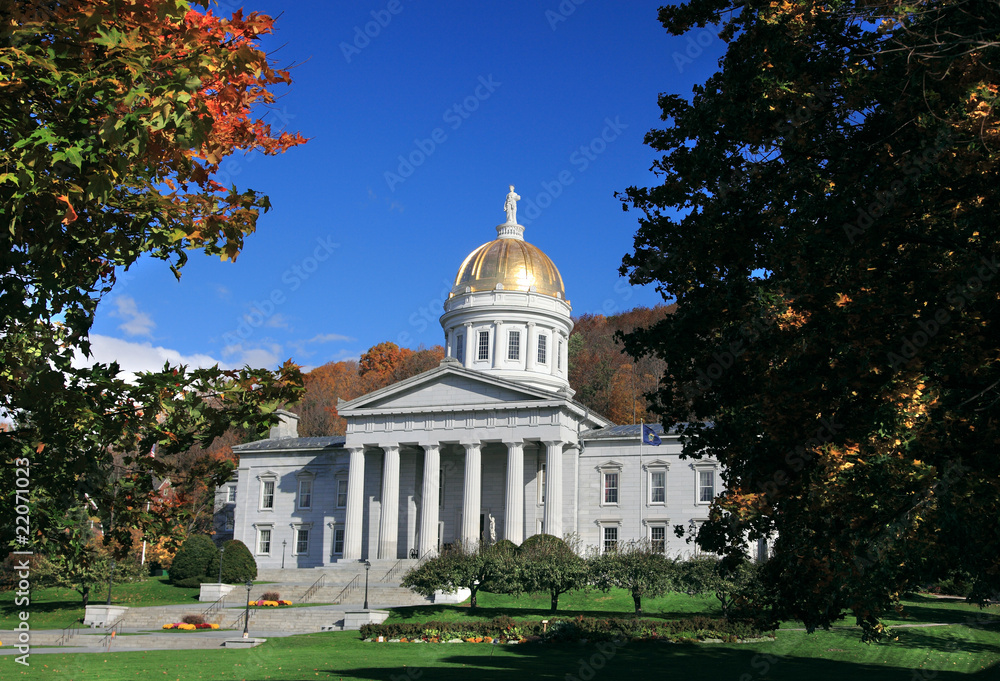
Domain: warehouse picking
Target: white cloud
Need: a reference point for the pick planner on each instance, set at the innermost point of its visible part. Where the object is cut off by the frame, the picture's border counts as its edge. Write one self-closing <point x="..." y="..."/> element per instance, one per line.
<point x="329" y="338"/>
<point x="277" y="321"/>
<point x="133" y="357"/>
<point x="136" y="323"/>
<point x="264" y="356"/>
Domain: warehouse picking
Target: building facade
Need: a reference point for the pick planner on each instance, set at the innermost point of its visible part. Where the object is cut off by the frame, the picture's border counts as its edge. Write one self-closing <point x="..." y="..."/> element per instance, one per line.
<point x="489" y="445"/>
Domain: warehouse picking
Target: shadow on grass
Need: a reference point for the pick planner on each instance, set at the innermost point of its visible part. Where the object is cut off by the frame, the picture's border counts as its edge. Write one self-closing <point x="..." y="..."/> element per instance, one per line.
<point x="423" y="613"/>
<point x="930" y="609"/>
<point x="933" y="638"/>
<point x="575" y="662"/>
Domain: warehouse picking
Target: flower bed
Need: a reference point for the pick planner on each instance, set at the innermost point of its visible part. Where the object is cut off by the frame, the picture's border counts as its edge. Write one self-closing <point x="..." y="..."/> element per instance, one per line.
<point x="506" y="630"/>
<point x="269" y="604"/>
<point x="189" y="627"/>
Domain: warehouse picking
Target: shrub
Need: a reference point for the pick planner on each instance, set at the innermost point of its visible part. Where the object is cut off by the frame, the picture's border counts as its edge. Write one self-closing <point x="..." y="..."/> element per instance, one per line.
<point x="270" y="596"/>
<point x="193" y="559"/>
<point x="238" y="564"/>
<point x="193" y="619"/>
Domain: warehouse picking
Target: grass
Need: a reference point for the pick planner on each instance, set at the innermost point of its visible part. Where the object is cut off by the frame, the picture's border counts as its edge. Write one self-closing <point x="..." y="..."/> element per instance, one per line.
<point x="56" y="608"/>
<point x="945" y="653"/>
<point x="588" y="604"/>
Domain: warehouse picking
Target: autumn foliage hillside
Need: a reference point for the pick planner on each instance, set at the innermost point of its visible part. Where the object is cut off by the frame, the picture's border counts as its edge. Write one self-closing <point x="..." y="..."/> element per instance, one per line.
<point x="604" y="378"/>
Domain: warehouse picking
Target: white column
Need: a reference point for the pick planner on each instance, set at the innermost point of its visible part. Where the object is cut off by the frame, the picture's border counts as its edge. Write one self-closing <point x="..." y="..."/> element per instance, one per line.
<point x="513" y="519"/>
<point x="355" y="503"/>
<point x="467" y="341"/>
<point x="554" y="352"/>
<point x="553" y="488"/>
<point x="531" y="352"/>
<point x="389" y="520"/>
<point x="429" y="500"/>
<point x="449" y="334"/>
<point x="472" y="494"/>
<point x="497" y="343"/>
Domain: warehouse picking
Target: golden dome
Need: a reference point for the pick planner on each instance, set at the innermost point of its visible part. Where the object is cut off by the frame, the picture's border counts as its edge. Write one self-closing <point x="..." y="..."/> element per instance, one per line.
<point x="512" y="262"/>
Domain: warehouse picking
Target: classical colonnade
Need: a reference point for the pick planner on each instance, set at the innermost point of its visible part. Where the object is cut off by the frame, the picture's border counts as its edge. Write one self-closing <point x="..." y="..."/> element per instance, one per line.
<point x="471" y="497"/>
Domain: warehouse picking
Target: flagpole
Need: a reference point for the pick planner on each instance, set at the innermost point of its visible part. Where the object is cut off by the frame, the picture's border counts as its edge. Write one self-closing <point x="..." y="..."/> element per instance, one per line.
<point x="642" y="499"/>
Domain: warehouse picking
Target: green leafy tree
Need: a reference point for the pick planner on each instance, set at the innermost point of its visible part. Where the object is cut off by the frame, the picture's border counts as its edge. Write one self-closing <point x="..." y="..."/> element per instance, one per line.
<point x="483" y="568"/>
<point x="194" y="559"/>
<point x="824" y="217"/>
<point x="635" y="567"/>
<point x="238" y="564"/>
<point x="547" y="564"/>
<point x="738" y="588"/>
<point x="114" y="119"/>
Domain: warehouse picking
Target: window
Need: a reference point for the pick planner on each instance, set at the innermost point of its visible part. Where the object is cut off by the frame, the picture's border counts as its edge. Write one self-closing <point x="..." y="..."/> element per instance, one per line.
<point x="514" y="345"/>
<point x="267" y="494"/>
<point x="484" y="345"/>
<point x="338" y="541"/>
<point x="706" y="486"/>
<point x="541" y="482"/>
<point x="231" y="496"/>
<point x="230" y="521"/>
<point x="610" y="539"/>
<point x="301" y="541"/>
<point x="341" y="493"/>
<point x="264" y="541"/>
<point x="441" y="488"/>
<point x="611" y="488"/>
<point x="559" y="355"/>
<point x="460" y="348"/>
<point x="305" y="493"/>
<point x="657" y="487"/>
<point x="658" y="538"/>
<point x="542" y="340"/>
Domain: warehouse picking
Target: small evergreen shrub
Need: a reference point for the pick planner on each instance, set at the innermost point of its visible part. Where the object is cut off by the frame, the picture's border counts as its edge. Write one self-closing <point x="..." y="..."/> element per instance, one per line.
<point x="270" y="596"/>
<point x="193" y="619"/>
<point x="193" y="559"/>
<point x="238" y="564"/>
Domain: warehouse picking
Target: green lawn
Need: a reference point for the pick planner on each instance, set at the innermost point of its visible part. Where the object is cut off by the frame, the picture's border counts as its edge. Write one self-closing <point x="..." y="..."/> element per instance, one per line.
<point x="942" y="653"/>
<point x="58" y="608"/>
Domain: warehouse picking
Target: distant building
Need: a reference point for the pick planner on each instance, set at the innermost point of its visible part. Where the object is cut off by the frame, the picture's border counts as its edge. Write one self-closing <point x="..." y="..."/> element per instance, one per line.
<point x="490" y="444"/>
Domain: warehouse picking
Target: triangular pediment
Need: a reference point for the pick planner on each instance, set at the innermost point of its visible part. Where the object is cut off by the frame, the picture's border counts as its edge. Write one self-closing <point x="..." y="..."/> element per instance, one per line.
<point x="448" y="386"/>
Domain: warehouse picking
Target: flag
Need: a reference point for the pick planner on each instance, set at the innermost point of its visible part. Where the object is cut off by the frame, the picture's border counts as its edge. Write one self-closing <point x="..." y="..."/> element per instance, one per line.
<point x="648" y="436"/>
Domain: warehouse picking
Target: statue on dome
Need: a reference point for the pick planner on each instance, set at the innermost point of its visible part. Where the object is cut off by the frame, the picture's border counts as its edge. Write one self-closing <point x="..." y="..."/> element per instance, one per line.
<point x="510" y="205"/>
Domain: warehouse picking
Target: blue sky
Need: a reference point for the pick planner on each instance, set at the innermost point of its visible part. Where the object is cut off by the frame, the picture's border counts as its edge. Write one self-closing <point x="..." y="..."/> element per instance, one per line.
<point x="419" y="115"/>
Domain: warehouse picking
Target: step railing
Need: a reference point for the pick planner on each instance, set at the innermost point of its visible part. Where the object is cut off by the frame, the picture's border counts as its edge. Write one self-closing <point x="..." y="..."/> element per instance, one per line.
<point x="238" y="622"/>
<point x="113" y="630"/>
<point x="211" y="610"/>
<point x="352" y="586"/>
<point x="68" y="633"/>
<point x="393" y="571"/>
<point x="311" y="591"/>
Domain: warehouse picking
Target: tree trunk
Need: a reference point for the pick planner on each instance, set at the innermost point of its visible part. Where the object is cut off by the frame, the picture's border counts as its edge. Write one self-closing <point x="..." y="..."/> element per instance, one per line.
<point x="85" y="592"/>
<point x="638" y="604"/>
<point x="472" y="600"/>
<point x="555" y="601"/>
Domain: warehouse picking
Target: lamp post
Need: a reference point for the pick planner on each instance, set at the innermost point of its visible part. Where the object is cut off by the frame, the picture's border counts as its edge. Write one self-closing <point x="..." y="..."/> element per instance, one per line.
<point x="246" y="615"/>
<point x="222" y="550"/>
<point x="284" y="543"/>
<point x="368" y="566"/>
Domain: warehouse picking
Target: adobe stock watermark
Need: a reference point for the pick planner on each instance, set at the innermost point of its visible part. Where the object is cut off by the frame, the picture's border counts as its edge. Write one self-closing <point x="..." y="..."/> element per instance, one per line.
<point x="562" y="12"/>
<point x="726" y="357"/>
<point x="606" y="650"/>
<point x="695" y="48"/>
<point x="363" y="36"/>
<point x="22" y="567"/>
<point x="292" y="278"/>
<point x="912" y="170"/>
<point x="454" y="116"/>
<point x="425" y="317"/>
<point x="580" y="159"/>
<point x="957" y="298"/>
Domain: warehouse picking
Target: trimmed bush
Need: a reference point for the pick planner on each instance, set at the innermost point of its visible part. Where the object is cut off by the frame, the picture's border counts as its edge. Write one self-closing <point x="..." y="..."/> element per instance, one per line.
<point x="590" y="628"/>
<point x="193" y="559"/>
<point x="270" y="596"/>
<point x="193" y="619"/>
<point x="238" y="564"/>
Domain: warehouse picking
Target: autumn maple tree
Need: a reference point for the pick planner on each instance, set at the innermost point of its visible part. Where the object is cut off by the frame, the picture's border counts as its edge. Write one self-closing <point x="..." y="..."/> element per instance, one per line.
<point x="114" y="117"/>
<point x="824" y="215"/>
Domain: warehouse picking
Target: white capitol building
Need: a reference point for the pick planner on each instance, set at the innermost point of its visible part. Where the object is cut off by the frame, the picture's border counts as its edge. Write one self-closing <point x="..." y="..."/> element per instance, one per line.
<point x="489" y="445"/>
